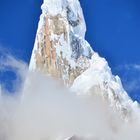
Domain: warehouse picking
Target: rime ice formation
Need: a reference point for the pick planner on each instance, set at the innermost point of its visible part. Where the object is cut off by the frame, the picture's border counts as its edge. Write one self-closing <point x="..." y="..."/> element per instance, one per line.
<point x="61" y="50"/>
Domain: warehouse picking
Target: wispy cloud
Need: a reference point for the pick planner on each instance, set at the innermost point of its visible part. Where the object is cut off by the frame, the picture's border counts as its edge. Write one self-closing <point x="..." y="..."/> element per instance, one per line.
<point x="10" y="65"/>
<point x="136" y="66"/>
<point x="130" y="76"/>
<point x="129" y="67"/>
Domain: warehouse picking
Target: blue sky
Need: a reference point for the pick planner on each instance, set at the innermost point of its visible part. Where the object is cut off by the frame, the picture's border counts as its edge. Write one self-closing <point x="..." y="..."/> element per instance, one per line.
<point x="113" y="29"/>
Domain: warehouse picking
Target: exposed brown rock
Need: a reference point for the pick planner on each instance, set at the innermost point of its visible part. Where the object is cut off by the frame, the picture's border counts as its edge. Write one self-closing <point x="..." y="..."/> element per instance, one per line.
<point x="47" y="59"/>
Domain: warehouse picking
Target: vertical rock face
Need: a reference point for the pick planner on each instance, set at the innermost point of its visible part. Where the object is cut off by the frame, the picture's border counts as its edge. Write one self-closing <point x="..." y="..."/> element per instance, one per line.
<point x="62" y="51"/>
<point x="60" y="48"/>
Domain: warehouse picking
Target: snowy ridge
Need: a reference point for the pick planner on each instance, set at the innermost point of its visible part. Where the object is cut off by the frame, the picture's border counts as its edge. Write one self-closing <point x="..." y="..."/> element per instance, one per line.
<point x="98" y="79"/>
<point x="61" y="50"/>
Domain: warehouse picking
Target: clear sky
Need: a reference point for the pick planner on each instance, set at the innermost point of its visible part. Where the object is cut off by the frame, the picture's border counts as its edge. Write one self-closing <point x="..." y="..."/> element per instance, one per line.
<point x="113" y="29"/>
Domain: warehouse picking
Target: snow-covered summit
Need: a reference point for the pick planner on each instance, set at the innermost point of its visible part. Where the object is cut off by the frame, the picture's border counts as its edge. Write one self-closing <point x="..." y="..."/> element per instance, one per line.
<point x="61" y="50"/>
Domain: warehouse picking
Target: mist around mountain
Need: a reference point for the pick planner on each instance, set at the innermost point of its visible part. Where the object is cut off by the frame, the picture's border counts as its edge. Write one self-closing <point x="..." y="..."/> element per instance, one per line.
<point x="44" y="109"/>
<point x="68" y="92"/>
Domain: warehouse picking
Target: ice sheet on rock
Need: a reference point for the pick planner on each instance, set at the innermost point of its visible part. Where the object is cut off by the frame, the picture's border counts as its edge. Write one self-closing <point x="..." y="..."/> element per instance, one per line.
<point x="53" y="6"/>
<point x="74" y="11"/>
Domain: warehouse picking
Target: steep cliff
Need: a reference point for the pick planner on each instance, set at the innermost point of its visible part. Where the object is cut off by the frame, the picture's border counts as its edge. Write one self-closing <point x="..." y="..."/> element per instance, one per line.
<point x="61" y="50"/>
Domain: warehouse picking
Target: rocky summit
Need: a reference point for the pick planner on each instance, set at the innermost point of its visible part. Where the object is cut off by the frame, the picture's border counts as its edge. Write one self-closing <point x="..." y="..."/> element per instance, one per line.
<point x="61" y="51"/>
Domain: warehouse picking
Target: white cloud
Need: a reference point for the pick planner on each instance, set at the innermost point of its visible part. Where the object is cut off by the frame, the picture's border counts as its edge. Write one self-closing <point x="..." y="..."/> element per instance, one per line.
<point x="131" y="76"/>
<point x="136" y="66"/>
<point x="129" y="67"/>
<point x="45" y="110"/>
<point x="8" y="63"/>
<point x="132" y="85"/>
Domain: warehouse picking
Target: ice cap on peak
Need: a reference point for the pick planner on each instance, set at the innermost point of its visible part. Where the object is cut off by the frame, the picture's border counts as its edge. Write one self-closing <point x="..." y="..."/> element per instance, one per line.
<point x="53" y="6"/>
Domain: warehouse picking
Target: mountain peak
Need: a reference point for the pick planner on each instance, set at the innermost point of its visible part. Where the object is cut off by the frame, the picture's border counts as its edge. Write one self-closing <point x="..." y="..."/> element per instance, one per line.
<point x="61" y="50"/>
<point x="60" y="47"/>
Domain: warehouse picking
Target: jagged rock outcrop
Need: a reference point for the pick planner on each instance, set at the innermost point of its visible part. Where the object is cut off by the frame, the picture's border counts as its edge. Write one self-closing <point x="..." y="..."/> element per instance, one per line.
<point x="62" y="51"/>
<point x="60" y="48"/>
